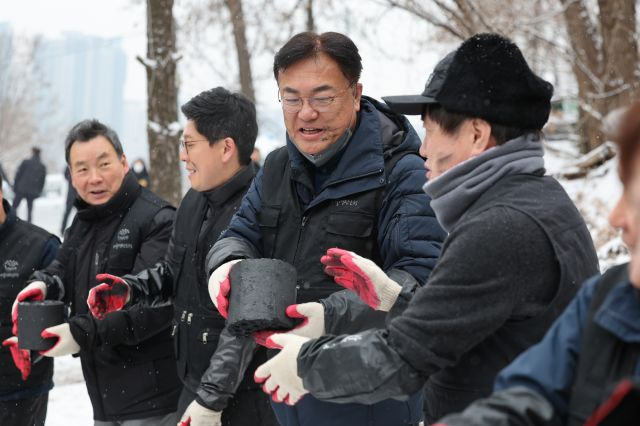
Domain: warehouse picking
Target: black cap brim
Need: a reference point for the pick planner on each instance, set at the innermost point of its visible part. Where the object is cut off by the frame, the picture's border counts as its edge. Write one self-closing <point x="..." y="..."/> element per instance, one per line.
<point x="408" y="105"/>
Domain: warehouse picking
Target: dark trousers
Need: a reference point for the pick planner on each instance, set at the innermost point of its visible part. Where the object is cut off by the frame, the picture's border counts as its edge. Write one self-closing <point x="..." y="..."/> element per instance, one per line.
<point x="18" y="199"/>
<point x="24" y="412"/>
<point x="247" y="407"/>
<point x="310" y="411"/>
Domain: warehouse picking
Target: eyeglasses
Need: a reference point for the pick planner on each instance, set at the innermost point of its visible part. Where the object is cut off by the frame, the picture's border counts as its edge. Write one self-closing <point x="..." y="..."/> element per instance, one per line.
<point x="293" y="104"/>
<point x="187" y="145"/>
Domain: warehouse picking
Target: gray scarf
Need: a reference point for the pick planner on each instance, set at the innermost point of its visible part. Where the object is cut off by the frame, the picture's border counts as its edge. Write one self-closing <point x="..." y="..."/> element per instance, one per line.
<point x="453" y="192"/>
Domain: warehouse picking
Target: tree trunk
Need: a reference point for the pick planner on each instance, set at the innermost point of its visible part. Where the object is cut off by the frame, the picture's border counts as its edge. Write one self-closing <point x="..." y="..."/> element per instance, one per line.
<point x="240" y="38"/>
<point x="311" y="25"/>
<point x="162" y="99"/>
<point x="605" y="70"/>
<point x="619" y="51"/>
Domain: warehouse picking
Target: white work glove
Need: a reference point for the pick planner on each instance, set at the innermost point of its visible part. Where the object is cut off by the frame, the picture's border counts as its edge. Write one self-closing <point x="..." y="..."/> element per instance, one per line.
<point x="219" y="287"/>
<point x="66" y="344"/>
<point x="197" y="415"/>
<point x="35" y="291"/>
<point x="279" y="375"/>
<point x="363" y="277"/>
<point x="312" y="325"/>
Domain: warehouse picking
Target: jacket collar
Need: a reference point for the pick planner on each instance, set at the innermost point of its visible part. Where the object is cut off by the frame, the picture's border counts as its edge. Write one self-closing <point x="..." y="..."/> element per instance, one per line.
<point x="9" y="221"/>
<point x="122" y="200"/>
<point x="220" y="195"/>
<point x="620" y="313"/>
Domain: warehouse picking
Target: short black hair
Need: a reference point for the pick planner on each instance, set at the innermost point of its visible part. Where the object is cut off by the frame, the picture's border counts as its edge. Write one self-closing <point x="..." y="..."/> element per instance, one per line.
<point x="308" y="44"/>
<point x="450" y="123"/>
<point x="88" y="129"/>
<point x="218" y="113"/>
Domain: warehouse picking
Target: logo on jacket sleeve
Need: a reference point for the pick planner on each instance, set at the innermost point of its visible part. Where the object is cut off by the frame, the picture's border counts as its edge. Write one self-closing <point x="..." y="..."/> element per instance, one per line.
<point x="10" y="269"/>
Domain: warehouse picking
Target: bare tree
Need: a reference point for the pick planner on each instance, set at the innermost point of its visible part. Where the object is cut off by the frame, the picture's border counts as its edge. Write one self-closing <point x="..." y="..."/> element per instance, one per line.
<point x="21" y="97"/>
<point x="604" y="61"/>
<point x="242" y="47"/>
<point x="600" y="48"/>
<point x="163" y="128"/>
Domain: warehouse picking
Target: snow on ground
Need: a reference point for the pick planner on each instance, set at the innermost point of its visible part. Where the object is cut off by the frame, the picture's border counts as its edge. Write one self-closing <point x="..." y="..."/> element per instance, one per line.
<point x="594" y="196"/>
<point x="69" y="403"/>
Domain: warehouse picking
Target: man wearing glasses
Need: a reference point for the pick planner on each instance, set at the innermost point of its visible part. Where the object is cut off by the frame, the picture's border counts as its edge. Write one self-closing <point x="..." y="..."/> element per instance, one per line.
<point x="350" y="177"/>
<point x="216" y="148"/>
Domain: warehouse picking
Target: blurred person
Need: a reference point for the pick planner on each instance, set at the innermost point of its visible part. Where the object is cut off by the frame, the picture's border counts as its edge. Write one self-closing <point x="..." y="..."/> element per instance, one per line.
<point x="71" y="199"/>
<point x="127" y="359"/>
<point x="24" y="391"/>
<point x="140" y="170"/>
<point x="350" y="176"/>
<point x="216" y="368"/>
<point x="29" y="181"/>
<point x="256" y="157"/>
<point x="5" y="177"/>
<point x="516" y="252"/>
<point x="593" y="345"/>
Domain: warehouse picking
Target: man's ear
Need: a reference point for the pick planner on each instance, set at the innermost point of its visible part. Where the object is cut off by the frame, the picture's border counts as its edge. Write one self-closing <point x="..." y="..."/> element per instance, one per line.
<point x="482" y="139"/>
<point x="229" y="149"/>
<point x="125" y="163"/>
<point x="357" y="96"/>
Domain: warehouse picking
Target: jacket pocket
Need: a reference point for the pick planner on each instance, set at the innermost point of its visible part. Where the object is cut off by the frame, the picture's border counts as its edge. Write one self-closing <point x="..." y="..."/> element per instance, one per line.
<point x="268" y="219"/>
<point x="351" y="231"/>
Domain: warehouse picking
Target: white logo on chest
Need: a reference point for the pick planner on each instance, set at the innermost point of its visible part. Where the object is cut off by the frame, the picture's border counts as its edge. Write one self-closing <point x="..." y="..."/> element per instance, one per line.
<point x="123" y="234"/>
<point x="11" y="265"/>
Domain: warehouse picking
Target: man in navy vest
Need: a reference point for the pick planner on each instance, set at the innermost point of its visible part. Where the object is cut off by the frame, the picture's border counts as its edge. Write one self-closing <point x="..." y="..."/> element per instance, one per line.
<point x="24" y="391"/>
<point x="349" y="176"/>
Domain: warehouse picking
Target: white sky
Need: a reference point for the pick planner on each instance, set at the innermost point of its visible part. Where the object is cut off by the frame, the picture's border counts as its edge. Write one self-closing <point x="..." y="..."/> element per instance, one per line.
<point x="113" y="18"/>
<point x="126" y="19"/>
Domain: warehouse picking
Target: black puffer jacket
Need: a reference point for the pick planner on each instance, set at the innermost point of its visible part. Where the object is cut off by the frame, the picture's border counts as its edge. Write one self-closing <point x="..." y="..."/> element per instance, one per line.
<point x="127" y="359"/>
<point x="23" y="248"/>
<point x="198" y="327"/>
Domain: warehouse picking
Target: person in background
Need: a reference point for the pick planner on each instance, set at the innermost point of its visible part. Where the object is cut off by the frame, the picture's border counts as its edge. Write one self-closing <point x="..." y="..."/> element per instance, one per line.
<point x="256" y="158"/>
<point x="141" y="172"/>
<point x="4" y="176"/>
<point x="24" y="391"/>
<point x="29" y="181"/>
<point x="71" y="199"/>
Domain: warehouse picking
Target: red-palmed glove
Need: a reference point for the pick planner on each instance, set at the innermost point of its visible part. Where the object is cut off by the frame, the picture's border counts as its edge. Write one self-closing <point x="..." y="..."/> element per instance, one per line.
<point x="312" y="326"/>
<point x="21" y="357"/>
<point x="363" y="277"/>
<point x="108" y="296"/>
<point x="219" y="287"/>
<point x="65" y="345"/>
<point x="35" y="291"/>
<point x="279" y="375"/>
